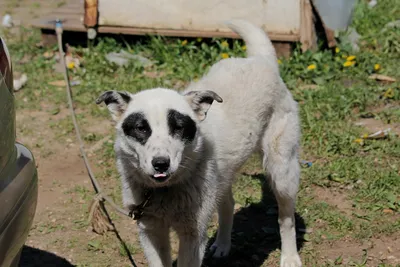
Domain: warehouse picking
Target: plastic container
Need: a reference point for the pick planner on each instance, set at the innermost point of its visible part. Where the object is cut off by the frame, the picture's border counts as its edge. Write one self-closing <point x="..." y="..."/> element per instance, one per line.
<point x="336" y="14"/>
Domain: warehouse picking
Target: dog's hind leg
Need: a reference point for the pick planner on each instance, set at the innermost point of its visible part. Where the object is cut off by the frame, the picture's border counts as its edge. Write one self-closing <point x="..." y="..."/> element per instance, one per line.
<point x="156" y="244"/>
<point x="280" y="144"/>
<point x="222" y="244"/>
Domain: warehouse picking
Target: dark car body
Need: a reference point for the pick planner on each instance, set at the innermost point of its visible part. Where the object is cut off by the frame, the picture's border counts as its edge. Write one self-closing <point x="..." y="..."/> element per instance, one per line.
<point x="18" y="174"/>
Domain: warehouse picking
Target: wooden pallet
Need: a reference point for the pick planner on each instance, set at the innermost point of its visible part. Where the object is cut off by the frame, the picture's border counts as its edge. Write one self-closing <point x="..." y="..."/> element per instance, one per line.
<point x="73" y="17"/>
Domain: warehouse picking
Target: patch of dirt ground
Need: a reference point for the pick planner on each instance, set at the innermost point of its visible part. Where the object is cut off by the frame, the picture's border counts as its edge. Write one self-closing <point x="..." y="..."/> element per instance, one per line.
<point x="385" y="250"/>
<point x="334" y="197"/>
<point x="374" y="251"/>
<point x="373" y="126"/>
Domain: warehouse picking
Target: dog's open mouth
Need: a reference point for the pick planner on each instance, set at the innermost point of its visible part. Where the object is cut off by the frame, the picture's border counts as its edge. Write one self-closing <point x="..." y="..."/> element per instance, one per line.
<point x="160" y="177"/>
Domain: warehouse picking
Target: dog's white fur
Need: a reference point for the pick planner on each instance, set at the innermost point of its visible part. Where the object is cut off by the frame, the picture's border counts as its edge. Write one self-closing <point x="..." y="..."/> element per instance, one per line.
<point x="258" y="113"/>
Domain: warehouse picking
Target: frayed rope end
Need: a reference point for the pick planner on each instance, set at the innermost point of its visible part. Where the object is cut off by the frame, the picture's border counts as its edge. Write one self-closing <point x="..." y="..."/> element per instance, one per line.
<point x="98" y="220"/>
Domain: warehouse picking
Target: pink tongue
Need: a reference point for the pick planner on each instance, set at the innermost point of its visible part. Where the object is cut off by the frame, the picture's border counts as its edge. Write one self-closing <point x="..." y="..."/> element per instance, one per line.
<point x="159" y="175"/>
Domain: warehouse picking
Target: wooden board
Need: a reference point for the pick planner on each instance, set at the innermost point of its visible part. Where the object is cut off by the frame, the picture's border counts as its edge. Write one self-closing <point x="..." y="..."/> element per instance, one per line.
<point x="70" y="22"/>
<point x="275" y="16"/>
<point x="71" y="14"/>
<point x="190" y="33"/>
<point x="308" y="37"/>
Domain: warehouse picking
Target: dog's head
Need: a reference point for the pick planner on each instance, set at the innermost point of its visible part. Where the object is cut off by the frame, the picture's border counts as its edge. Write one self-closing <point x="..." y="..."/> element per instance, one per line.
<point x="157" y="129"/>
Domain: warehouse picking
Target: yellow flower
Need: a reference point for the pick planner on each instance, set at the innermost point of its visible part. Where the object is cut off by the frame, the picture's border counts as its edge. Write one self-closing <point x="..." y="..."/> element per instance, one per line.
<point x="184" y="42"/>
<point x="71" y="65"/>
<point x="224" y="55"/>
<point x="389" y="93"/>
<point x="279" y="61"/>
<point x="224" y="44"/>
<point x="311" y="67"/>
<point x="365" y="136"/>
<point x="359" y="141"/>
<point x="377" y="67"/>
<point x="337" y="50"/>
<point x="351" y="58"/>
<point x="349" y="63"/>
<point x="199" y="39"/>
<point x="244" y="48"/>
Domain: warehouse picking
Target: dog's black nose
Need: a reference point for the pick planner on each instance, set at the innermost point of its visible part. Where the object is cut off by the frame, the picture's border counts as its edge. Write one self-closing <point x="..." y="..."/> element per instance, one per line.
<point x="160" y="164"/>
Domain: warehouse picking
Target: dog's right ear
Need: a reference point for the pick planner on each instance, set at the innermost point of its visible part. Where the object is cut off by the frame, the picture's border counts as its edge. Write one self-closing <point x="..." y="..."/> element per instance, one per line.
<point x="200" y="101"/>
<point x="116" y="102"/>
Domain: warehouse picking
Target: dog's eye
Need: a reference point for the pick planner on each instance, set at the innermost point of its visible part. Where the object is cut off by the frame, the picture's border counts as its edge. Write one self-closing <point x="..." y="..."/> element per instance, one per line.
<point x="142" y="128"/>
<point x="178" y="127"/>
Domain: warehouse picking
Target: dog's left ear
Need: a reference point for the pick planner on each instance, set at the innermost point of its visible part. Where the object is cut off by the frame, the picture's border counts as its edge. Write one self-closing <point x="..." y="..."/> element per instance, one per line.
<point x="200" y="101"/>
<point x="116" y="102"/>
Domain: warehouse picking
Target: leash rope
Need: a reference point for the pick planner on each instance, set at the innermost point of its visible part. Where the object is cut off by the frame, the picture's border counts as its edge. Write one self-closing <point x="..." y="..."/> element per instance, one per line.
<point x="98" y="215"/>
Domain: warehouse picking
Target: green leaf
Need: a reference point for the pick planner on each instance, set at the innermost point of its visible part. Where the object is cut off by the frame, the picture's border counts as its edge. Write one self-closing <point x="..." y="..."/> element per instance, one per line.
<point x="392" y="206"/>
<point x="319" y="80"/>
<point x="94" y="245"/>
<point x="307" y="238"/>
<point x="391" y="197"/>
<point x="55" y="111"/>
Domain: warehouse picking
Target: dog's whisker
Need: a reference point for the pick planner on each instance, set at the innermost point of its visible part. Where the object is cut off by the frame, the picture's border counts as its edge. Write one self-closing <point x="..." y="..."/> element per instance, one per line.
<point x="184" y="167"/>
<point x="190" y="159"/>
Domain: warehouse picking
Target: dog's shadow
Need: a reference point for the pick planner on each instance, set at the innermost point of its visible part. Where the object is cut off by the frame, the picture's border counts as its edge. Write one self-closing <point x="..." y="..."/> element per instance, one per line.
<point x="255" y="232"/>
<point x="34" y="257"/>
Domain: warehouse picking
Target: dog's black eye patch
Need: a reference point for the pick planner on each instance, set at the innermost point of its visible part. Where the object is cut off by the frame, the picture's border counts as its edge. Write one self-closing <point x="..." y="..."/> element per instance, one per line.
<point x="137" y="127"/>
<point x="181" y="126"/>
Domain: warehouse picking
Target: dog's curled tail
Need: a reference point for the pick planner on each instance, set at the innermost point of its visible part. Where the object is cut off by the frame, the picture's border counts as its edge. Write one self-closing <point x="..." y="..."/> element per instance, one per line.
<point x="257" y="41"/>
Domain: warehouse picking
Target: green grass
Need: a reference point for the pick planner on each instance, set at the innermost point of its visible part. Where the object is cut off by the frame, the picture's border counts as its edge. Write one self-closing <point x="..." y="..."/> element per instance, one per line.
<point x="331" y="97"/>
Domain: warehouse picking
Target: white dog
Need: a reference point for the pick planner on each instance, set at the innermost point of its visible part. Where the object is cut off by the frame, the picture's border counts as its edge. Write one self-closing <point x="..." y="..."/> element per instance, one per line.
<point x="187" y="151"/>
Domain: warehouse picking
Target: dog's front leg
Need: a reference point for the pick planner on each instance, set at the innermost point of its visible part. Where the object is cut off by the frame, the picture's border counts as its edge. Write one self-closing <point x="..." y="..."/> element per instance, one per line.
<point x="154" y="239"/>
<point x="191" y="249"/>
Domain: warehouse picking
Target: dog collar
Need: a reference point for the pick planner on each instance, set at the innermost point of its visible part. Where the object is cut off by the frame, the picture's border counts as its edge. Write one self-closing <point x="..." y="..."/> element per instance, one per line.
<point x="136" y="212"/>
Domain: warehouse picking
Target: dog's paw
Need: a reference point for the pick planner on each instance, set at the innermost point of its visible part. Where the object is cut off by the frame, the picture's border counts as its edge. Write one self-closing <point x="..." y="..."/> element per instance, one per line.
<point x="291" y="261"/>
<point x="220" y="250"/>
